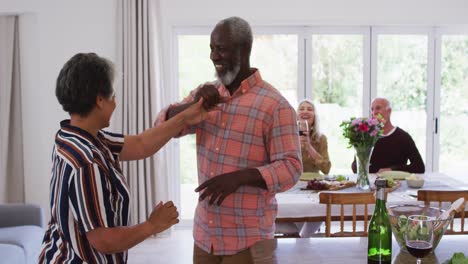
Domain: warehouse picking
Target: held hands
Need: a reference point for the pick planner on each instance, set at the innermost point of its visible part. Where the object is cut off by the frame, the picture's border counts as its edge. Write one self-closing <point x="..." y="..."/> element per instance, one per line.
<point x="219" y="187"/>
<point x="163" y="216"/>
<point x="210" y="95"/>
<point x="195" y="113"/>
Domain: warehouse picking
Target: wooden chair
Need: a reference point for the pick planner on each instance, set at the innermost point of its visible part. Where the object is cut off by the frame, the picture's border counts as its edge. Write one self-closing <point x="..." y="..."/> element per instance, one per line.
<point x="346" y="199"/>
<point x="441" y="196"/>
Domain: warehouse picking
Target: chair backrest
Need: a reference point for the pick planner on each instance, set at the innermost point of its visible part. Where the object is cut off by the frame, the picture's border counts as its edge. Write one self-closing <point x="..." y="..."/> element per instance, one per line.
<point x="347" y="199"/>
<point x="441" y="196"/>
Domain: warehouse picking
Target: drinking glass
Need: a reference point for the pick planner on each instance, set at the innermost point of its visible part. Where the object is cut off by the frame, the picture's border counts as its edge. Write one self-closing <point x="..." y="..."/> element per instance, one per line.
<point x="419" y="236"/>
<point x="303" y="126"/>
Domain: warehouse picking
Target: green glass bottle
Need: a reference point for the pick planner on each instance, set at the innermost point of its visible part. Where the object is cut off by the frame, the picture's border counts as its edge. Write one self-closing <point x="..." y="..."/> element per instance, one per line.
<point x="379" y="247"/>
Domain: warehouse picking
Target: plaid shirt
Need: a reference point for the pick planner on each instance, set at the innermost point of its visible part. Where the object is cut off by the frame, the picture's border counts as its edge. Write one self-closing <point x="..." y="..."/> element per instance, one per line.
<point x="256" y="128"/>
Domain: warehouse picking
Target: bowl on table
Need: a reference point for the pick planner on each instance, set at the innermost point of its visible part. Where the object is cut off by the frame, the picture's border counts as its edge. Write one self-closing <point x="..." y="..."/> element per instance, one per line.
<point x="415" y="181"/>
<point x="398" y="215"/>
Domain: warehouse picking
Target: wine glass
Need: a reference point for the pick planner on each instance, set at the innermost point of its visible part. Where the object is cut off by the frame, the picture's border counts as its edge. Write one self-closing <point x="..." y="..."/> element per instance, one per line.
<point x="303" y="126"/>
<point x="419" y="236"/>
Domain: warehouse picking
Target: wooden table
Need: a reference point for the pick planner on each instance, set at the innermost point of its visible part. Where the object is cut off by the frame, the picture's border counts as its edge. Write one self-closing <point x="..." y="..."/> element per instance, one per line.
<point x="354" y="250"/>
<point x="297" y="205"/>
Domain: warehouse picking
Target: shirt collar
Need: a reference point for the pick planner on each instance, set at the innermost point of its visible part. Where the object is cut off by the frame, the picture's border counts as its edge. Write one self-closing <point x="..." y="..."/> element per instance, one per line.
<point x="255" y="79"/>
<point x="67" y="127"/>
<point x="390" y="132"/>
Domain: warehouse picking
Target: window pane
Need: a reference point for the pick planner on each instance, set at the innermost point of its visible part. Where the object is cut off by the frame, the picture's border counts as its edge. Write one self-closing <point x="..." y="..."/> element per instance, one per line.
<point x="402" y="78"/>
<point x="337" y="83"/>
<point x="195" y="68"/>
<point x="453" y="106"/>
<point x="276" y="58"/>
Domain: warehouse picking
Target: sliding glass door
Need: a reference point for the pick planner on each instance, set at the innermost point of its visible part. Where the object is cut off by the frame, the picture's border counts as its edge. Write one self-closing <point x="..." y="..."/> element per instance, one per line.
<point x="453" y="120"/>
<point x="402" y="70"/>
<point x="338" y="80"/>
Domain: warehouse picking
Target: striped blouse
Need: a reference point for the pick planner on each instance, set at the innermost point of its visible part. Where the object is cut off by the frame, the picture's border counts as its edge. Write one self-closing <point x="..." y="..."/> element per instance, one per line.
<point x="88" y="191"/>
<point x="256" y="128"/>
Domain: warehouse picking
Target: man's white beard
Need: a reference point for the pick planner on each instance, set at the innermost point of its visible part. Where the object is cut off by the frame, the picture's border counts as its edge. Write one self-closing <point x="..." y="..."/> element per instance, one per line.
<point x="229" y="76"/>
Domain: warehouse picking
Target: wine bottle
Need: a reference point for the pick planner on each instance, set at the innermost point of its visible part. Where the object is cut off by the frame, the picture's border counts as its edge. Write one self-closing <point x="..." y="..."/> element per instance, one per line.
<point x="379" y="247"/>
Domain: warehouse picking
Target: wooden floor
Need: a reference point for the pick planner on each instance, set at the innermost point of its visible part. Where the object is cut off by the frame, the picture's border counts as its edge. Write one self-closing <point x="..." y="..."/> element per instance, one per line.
<point x="174" y="249"/>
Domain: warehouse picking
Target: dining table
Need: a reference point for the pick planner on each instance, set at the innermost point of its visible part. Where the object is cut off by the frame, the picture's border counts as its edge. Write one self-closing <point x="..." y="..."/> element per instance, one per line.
<point x="300" y="205"/>
<point x="354" y="250"/>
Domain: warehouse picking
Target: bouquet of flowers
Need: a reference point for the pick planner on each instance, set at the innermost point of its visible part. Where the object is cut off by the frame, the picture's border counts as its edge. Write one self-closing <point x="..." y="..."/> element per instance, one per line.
<point x="363" y="131"/>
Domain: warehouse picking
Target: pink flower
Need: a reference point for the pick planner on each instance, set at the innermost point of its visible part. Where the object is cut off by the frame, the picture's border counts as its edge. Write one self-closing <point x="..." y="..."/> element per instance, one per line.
<point x="356" y="121"/>
<point x="374" y="121"/>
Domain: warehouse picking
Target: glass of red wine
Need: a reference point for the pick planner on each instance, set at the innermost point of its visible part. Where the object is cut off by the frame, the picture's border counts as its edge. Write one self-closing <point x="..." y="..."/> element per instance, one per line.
<point x="303" y="126"/>
<point x="419" y="236"/>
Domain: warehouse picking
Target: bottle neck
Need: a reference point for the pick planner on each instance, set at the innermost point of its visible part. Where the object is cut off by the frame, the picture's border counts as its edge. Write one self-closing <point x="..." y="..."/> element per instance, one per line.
<point x="380" y="196"/>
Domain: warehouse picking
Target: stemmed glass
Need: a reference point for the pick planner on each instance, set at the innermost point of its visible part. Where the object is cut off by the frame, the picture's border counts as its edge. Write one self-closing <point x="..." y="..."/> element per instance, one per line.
<point x="303" y="126"/>
<point x="419" y="236"/>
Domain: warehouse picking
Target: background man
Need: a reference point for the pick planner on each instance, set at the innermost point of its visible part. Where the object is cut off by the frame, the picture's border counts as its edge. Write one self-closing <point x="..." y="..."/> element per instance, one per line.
<point x="393" y="150"/>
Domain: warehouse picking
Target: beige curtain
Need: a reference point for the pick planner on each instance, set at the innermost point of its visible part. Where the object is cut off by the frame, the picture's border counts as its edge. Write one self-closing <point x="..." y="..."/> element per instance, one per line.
<point x="141" y="97"/>
<point x="11" y="135"/>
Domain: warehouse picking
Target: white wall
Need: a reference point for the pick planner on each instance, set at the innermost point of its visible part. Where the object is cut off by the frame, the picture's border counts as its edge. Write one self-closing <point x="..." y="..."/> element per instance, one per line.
<point x="318" y="12"/>
<point x="51" y="32"/>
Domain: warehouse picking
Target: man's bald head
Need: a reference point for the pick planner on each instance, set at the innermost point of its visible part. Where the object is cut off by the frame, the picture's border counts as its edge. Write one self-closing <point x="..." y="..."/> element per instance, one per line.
<point x="382" y="101"/>
<point x="383" y="107"/>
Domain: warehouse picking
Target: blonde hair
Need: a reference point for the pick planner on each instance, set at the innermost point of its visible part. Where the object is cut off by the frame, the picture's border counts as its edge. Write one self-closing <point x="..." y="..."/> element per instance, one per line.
<point x="314" y="128"/>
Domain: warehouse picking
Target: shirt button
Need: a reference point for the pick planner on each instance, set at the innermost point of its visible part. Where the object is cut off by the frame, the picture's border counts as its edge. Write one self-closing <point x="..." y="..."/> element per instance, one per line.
<point x="217" y="149"/>
<point x="211" y="222"/>
<point x="211" y="173"/>
<point x="222" y="124"/>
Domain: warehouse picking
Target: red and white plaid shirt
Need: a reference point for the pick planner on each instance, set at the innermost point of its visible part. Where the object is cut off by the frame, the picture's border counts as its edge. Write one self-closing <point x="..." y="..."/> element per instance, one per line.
<point x="256" y="128"/>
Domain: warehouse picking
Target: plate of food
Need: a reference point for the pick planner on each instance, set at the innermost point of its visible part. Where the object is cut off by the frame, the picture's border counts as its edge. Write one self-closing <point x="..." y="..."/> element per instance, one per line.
<point x="395" y="175"/>
<point x="322" y="185"/>
<point x="307" y="176"/>
<point x="335" y="178"/>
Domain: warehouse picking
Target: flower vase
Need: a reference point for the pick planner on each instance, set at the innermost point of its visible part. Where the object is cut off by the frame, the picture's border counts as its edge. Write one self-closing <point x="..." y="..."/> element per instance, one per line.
<point x="363" y="154"/>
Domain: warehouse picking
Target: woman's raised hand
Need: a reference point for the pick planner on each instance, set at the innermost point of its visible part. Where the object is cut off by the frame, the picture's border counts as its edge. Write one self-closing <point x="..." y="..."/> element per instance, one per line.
<point x="195" y="113"/>
<point x="304" y="138"/>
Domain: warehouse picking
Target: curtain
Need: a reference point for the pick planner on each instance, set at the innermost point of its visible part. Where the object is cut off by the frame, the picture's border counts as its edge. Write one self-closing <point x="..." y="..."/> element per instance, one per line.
<point x="141" y="96"/>
<point x="11" y="148"/>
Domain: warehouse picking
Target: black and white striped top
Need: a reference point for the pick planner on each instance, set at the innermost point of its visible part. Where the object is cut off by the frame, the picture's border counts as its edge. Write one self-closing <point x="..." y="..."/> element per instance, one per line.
<point x="87" y="191"/>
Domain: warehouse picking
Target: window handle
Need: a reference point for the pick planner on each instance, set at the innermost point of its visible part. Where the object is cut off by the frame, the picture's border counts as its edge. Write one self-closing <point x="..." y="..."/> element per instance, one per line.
<point x="436" y="125"/>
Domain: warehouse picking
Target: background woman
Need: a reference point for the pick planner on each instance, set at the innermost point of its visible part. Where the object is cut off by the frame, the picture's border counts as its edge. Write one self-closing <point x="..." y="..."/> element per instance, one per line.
<point x="314" y="145"/>
<point x="315" y="158"/>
